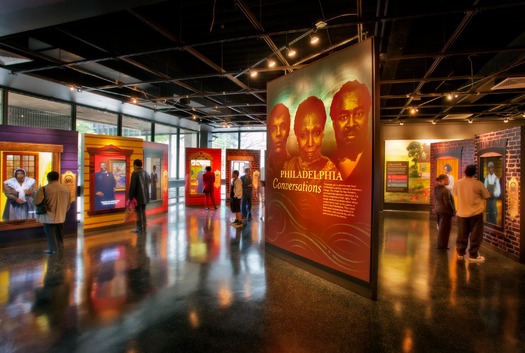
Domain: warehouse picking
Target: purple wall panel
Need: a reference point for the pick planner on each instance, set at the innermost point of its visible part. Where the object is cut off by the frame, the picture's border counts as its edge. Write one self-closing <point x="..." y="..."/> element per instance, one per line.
<point x="69" y="162"/>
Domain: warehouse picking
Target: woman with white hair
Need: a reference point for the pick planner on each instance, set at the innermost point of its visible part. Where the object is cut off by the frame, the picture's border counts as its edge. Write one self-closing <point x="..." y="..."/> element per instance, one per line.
<point x="20" y="191"/>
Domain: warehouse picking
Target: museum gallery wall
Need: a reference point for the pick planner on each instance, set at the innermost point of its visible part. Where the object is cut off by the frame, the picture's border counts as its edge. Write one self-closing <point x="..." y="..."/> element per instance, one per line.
<point x="497" y="155"/>
<point x="37" y="151"/>
<point x="319" y="169"/>
<point x="108" y="164"/>
<point x="156" y="164"/>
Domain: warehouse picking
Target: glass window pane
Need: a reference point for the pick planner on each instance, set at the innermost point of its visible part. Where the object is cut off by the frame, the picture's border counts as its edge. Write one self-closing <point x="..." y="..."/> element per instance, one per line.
<point x="187" y="139"/>
<point x="29" y="111"/>
<point x="163" y="133"/>
<point x="253" y="140"/>
<point x="225" y="140"/>
<point x="94" y="121"/>
<point x="168" y="135"/>
<point x="132" y="127"/>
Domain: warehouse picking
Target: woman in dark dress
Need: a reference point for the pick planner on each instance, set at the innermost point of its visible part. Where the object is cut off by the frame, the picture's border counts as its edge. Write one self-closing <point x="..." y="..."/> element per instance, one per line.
<point x="154" y="178"/>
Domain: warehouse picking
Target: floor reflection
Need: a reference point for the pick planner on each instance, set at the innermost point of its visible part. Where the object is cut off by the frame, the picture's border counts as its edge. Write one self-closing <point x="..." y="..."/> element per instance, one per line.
<point x="194" y="283"/>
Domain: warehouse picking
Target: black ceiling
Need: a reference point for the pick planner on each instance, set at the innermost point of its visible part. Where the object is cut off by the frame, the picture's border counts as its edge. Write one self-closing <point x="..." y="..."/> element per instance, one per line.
<point x="192" y="58"/>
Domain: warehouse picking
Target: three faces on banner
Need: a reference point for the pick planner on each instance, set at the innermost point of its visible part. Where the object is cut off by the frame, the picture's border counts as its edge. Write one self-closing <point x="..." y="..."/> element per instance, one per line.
<point x="349" y="113"/>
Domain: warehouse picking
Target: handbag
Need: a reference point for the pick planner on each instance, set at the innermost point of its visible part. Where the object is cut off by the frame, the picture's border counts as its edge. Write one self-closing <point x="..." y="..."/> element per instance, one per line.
<point x="131" y="212"/>
<point x="41" y="208"/>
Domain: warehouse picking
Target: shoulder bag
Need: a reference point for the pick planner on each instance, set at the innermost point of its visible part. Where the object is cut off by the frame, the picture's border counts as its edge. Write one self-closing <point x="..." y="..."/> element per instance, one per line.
<point x="41" y="208"/>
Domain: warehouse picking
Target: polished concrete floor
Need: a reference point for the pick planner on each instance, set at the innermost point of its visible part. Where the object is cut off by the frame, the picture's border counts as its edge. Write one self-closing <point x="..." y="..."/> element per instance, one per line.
<point x="196" y="284"/>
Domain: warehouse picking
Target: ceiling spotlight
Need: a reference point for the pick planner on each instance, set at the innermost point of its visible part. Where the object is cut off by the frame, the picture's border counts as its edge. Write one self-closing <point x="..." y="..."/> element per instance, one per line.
<point x="434" y="122"/>
<point x="506" y="120"/>
<point x="193" y="117"/>
<point x="71" y="88"/>
<point x="413" y="110"/>
<point x="134" y="100"/>
<point x="291" y="52"/>
<point x="314" y="39"/>
<point x="401" y="123"/>
<point x="253" y="73"/>
<point x="79" y="89"/>
<point x="470" y="121"/>
<point x="271" y="63"/>
<point x="320" y="24"/>
<point x="451" y="96"/>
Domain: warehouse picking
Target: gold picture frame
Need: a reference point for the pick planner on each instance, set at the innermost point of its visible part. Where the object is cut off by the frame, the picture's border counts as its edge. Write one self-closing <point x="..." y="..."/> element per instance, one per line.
<point x="118" y="168"/>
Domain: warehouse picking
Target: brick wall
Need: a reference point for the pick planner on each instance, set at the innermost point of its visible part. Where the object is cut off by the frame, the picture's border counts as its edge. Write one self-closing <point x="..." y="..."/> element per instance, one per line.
<point x="506" y="240"/>
<point x="463" y="150"/>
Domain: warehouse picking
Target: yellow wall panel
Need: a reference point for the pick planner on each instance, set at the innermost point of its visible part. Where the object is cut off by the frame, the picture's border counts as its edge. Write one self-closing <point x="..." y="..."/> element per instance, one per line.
<point x="136" y="146"/>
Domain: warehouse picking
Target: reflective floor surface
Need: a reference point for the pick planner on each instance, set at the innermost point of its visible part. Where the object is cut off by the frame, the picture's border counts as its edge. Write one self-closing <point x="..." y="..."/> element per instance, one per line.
<point x="196" y="284"/>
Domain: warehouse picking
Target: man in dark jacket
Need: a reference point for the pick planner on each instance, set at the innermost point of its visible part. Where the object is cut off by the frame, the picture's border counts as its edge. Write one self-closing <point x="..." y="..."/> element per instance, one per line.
<point x="247" y="192"/>
<point x="138" y="190"/>
<point x="444" y="210"/>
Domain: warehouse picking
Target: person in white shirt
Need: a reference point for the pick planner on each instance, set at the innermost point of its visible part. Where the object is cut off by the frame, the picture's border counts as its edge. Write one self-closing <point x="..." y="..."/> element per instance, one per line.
<point x="448" y="169"/>
<point x="19" y="191"/>
<point x="235" y="198"/>
<point x="492" y="185"/>
<point x="470" y="194"/>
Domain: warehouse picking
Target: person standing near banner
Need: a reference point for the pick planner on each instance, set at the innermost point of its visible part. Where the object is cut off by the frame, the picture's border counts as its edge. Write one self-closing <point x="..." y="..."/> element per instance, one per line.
<point x="58" y="200"/>
<point x="138" y="190"/>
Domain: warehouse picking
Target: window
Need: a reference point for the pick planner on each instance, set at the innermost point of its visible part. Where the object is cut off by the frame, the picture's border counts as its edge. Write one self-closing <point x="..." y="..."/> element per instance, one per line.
<point x="36" y="112"/>
<point x="133" y="127"/>
<point x="94" y="121"/>
<point x="14" y="161"/>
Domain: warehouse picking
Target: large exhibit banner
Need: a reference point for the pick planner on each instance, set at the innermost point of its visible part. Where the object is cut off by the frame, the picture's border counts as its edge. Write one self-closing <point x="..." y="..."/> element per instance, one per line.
<point x="319" y="162"/>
